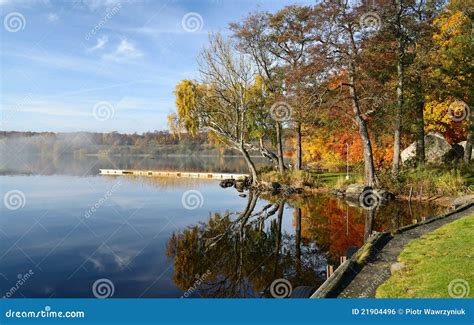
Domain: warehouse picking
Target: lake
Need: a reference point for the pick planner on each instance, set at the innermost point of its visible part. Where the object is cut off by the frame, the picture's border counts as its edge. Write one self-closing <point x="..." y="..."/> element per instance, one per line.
<point x="67" y="232"/>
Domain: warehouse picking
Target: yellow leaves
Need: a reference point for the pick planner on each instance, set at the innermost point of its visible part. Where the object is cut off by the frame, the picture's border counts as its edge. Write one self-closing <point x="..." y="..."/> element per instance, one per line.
<point x="259" y="82"/>
<point x="443" y="117"/>
<point x="173" y="123"/>
<point x="449" y="27"/>
<point x="436" y="117"/>
<point x="316" y="150"/>
<point x="186" y="94"/>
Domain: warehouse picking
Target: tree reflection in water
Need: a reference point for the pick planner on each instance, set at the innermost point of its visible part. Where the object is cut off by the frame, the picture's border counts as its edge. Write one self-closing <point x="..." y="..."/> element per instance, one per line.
<point x="245" y="252"/>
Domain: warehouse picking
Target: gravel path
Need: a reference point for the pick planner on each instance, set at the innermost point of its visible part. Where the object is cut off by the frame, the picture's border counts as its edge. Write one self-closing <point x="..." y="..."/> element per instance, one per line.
<point x="377" y="270"/>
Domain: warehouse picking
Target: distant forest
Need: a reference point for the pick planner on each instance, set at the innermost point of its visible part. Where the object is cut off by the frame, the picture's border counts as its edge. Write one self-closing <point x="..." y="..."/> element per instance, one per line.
<point x="113" y="143"/>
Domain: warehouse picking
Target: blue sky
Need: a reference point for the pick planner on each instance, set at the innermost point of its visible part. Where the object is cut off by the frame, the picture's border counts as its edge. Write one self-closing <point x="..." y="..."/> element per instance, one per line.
<point x="111" y="65"/>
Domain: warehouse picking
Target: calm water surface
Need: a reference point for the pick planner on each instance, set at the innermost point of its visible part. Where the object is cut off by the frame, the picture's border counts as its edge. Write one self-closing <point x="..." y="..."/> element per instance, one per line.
<point x="155" y="237"/>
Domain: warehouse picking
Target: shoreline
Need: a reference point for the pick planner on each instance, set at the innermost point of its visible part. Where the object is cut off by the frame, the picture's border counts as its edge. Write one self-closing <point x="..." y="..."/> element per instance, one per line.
<point x="440" y="200"/>
<point x="369" y="267"/>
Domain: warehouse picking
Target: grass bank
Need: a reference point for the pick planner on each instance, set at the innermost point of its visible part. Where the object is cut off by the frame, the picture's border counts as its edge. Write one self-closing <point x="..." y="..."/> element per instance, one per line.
<point x="311" y="179"/>
<point x="426" y="184"/>
<point x="437" y="265"/>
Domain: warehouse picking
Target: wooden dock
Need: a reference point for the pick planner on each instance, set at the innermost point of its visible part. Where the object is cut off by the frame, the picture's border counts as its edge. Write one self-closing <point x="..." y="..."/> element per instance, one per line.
<point x="154" y="173"/>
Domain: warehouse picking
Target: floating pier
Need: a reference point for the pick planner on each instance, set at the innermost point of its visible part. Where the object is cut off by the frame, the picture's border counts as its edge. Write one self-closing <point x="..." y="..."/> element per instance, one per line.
<point x="154" y="173"/>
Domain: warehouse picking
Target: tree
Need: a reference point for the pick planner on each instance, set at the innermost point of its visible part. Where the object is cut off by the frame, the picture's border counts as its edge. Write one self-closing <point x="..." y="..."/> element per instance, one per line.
<point x="401" y="39"/>
<point x="253" y="38"/>
<point x="453" y="63"/>
<point x="291" y="41"/>
<point x="341" y="34"/>
<point x="406" y="24"/>
<point x="397" y="14"/>
<point x="223" y="99"/>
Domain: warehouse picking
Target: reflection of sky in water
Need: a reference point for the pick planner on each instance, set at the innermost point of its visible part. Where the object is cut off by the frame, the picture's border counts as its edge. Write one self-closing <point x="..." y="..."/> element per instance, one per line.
<point x="69" y="247"/>
<point x="124" y="240"/>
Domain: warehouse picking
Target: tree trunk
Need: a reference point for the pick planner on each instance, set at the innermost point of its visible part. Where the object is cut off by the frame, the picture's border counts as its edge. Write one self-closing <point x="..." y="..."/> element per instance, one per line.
<point x="470" y="138"/>
<point x="299" y="153"/>
<point x="369" y="168"/>
<point x="281" y="163"/>
<point x="251" y="202"/>
<point x="420" y="133"/>
<point x="265" y="152"/>
<point x="250" y="164"/>
<point x="398" y="117"/>
<point x="281" y="208"/>
<point x="245" y="215"/>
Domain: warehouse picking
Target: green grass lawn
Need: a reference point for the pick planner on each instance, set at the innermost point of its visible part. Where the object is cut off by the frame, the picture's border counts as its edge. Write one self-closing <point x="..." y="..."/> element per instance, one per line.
<point x="469" y="179"/>
<point x="433" y="262"/>
<point x="331" y="179"/>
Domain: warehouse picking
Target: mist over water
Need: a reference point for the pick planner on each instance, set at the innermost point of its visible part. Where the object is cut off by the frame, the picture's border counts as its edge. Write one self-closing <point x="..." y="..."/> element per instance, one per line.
<point x="79" y="155"/>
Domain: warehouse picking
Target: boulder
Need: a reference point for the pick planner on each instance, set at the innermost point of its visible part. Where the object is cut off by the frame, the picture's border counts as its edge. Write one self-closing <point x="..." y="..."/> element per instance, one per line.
<point x="353" y="193"/>
<point x="225" y="183"/>
<point x="353" y="202"/>
<point x="241" y="185"/>
<point x="358" y="195"/>
<point x="355" y="190"/>
<point x="455" y="154"/>
<point x="408" y="153"/>
<point x="436" y="147"/>
<point x="385" y="195"/>
<point x="463" y="145"/>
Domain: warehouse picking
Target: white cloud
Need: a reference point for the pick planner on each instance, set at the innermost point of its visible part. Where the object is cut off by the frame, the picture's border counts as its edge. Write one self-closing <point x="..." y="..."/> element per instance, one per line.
<point x="96" y="4"/>
<point x="52" y="17"/>
<point x="76" y="63"/>
<point x="53" y="108"/>
<point x="124" y="51"/>
<point x="101" y="41"/>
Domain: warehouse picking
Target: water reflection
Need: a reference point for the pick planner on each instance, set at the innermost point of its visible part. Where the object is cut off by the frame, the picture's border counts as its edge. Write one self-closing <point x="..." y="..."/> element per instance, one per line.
<point x="243" y="253"/>
<point x="26" y="164"/>
<point x="144" y="241"/>
<point x="149" y="245"/>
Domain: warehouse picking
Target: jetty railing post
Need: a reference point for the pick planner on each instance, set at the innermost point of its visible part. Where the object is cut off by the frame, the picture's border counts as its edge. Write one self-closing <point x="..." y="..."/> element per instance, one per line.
<point x="342" y="259"/>
<point x="347" y="160"/>
<point x="329" y="270"/>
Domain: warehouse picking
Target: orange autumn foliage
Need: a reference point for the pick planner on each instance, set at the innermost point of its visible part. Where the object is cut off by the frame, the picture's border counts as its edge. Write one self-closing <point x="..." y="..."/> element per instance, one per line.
<point x="337" y="230"/>
<point x="329" y="151"/>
